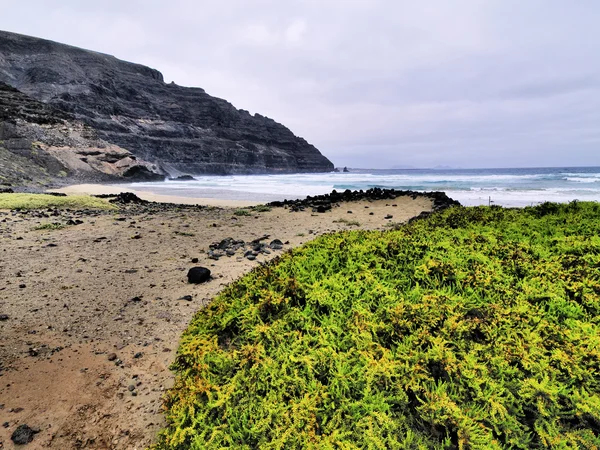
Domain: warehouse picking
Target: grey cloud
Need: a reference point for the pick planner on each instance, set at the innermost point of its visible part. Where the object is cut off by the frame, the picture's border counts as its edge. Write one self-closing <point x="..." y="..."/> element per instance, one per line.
<point x="461" y="83"/>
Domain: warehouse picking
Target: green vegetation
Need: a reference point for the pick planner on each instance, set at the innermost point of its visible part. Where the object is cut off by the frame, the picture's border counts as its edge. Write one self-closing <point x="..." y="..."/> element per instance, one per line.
<point x="50" y="226"/>
<point x="348" y="223"/>
<point x="242" y="212"/>
<point x="38" y="201"/>
<point x="261" y="208"/>
<point x="477" y="328"/>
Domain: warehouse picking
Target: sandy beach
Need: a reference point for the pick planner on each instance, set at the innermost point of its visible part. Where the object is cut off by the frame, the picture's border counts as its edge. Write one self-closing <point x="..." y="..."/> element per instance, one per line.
<point x="92" y="313"/>
<point x="99" y="189"/>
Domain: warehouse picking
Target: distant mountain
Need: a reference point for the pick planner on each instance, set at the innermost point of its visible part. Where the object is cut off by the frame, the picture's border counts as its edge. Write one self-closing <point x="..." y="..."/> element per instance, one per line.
<point x="403" y="166"/>
<point x="177" y="130"/>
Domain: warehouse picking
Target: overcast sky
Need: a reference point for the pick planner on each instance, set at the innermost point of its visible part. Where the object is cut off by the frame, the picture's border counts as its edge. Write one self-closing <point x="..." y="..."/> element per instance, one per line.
<point x="371" y="83"/>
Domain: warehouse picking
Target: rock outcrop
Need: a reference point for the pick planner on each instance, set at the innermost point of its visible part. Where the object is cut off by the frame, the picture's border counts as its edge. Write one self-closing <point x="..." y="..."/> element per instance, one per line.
<point x="180" y="130"/>
<point x="42" y="146"/>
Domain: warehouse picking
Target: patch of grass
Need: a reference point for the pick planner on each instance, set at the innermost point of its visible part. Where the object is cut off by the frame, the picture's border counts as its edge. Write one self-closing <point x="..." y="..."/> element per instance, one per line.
<point x="349" y="223"/>
<point x="242" y="212"/>
<point x="50" y="226"/>
<point x="41" y="201"/>
<point x="261" y="208"/>
<point x="476" y="328"/>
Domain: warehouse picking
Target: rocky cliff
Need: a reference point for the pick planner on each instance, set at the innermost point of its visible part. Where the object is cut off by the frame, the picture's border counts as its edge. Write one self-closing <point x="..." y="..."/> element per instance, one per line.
<point x="40" y="146"/>
<point x="180" y="130"/>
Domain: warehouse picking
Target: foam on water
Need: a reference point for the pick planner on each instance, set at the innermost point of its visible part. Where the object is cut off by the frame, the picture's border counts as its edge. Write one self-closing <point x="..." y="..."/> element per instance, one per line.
<point x="506" y="187"/>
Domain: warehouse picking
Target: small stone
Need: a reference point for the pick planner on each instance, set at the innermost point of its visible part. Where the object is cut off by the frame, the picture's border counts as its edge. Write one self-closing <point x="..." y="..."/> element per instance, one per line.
<point x="138" y="355"/>
<point x="22" y="286"/>
<point x="6" y="424"/>
<point x="389" y="216"/>
<point x="188" y="298"/>
<point x="194" y="260"/>
<point x="112" y="356"/>
<point x="131" y="388"/>
<point x="3" y="317"/>
<point x="349" y="212"/>
<point x="251" y="257"/>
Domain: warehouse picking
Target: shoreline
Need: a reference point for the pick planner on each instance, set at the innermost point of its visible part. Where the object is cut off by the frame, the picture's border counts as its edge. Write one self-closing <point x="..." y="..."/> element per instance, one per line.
<point x="100" y="189"/>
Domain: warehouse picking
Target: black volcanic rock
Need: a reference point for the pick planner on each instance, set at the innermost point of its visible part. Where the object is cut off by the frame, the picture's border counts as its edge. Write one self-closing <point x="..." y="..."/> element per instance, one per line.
<point x="198" y="275"/>
<point x="177" y="129"/>
<point x="322" y="203"/>
<point x="142" y="173"/>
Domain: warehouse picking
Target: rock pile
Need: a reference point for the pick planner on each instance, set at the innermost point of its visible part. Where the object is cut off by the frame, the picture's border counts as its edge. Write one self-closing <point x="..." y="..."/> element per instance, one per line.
<point x="230" y="246"/>
<point x="323" y="203"/>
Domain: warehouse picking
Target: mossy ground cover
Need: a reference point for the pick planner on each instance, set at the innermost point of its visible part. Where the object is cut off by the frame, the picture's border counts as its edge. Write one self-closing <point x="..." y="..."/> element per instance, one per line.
<point x="40" y="201"/>
<point x="475" y="328"/>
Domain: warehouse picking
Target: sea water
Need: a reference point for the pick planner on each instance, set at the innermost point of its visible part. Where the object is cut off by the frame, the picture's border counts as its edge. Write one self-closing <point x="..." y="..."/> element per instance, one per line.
<point x="505" y="187"/>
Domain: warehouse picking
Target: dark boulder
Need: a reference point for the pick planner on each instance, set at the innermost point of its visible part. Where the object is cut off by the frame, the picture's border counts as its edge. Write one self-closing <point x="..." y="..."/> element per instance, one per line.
<point x="23" y="434"/>
<point x="183" y="178"/>
<point x="128" y="197"/>
<point x="276" y="244"/>
<point x="198" y="275"/>
<point x="142" y="173"/>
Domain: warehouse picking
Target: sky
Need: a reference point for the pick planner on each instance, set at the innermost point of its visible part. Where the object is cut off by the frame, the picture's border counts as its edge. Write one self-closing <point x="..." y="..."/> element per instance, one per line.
<point x="370" y="83"/>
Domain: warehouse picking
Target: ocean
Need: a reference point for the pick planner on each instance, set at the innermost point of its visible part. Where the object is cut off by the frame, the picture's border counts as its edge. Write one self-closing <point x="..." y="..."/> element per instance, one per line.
<point x="505" y="187"/>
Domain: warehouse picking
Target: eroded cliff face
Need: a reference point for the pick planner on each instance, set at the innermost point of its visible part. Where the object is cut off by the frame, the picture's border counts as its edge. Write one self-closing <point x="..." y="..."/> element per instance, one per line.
<point x="41" y="146"/>
<point x="180" y="130"/>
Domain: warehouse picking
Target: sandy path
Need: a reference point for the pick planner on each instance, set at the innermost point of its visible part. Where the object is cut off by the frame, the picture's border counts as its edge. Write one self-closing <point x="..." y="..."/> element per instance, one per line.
<point x="75" y="295"/>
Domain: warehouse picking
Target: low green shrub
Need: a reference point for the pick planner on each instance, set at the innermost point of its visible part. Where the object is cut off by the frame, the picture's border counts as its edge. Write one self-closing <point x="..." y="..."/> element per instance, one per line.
<point x="349" y="223"/>
<point x="50" y="226"/>
<point x="261" y="208"/>
<point x="40" y="201"/>
<point x="242" y="212"/>
<point x="477" y="328"/>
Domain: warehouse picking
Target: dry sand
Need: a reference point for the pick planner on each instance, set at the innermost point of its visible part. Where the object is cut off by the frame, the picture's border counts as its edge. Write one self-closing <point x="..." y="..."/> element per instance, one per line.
<point x="98" y="189"/>
<point x="112" y="285"/>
